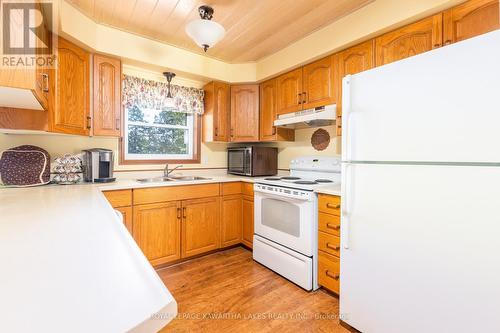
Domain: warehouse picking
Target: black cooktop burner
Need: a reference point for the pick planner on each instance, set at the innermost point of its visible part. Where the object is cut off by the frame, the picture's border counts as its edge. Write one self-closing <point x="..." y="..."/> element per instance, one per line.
<point x="272" y="178"/>
<point x="324" y="181"/>
<point x="305" y="182"/>
<point x="290" y="178"/>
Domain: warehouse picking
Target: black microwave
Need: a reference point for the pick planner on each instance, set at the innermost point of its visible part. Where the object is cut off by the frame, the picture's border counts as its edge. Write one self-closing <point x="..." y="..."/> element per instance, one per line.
<point x="252" y="161"/>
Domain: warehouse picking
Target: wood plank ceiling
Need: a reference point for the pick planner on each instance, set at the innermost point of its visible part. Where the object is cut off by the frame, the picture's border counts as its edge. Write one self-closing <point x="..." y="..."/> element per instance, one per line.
<point x="254" y="28"/>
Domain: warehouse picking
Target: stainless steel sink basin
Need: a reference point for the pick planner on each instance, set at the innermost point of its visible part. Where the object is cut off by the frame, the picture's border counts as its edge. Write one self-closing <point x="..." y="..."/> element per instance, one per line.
<point x="184" y="178"/>
<point x="154" y="180"/>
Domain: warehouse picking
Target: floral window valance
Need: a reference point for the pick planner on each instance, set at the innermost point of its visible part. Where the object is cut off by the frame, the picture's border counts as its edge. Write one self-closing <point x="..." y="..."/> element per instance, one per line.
<point x="149" y="94"/>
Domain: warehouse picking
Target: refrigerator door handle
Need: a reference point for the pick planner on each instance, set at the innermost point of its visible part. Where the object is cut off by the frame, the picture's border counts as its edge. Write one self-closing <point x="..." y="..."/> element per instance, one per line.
<point x="345" y="203"/>
<point x="346" y="113"/>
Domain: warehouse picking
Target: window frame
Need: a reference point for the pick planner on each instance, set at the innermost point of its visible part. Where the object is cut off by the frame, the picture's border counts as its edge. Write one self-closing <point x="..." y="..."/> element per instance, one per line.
<point x="196" y="143"/>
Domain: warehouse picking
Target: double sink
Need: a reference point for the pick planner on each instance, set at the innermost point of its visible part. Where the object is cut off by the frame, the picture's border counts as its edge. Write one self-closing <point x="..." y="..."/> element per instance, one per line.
<point x="170" y="179"/>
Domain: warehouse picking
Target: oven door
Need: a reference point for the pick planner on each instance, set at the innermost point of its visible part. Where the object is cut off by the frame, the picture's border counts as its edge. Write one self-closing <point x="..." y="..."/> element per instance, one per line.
<point x="239" y="161"/>
<point x="287" y="221"/>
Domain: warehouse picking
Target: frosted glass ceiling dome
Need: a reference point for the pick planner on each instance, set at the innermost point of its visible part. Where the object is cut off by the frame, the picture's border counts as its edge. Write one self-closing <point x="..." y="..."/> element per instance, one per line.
<point x="204" y="32"/>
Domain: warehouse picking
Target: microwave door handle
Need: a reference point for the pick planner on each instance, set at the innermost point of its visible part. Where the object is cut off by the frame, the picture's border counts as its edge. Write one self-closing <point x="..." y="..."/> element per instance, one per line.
<point x="247" y="162"/>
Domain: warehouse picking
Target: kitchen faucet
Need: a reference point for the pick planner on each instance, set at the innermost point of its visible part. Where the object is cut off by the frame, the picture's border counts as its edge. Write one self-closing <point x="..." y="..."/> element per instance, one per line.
<point x="167" y="172"/>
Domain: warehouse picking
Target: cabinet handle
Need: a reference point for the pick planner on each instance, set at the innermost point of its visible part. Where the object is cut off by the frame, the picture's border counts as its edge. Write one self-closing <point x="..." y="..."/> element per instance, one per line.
<point x="332" y="206"/>
<point x="117" y="123"/>
<point x="45" y="82"/>
<point x="304" y="98"/>
<point x="179" y="213"/>
<point x="333" y="247"/>
<point x="232" y="131"/>
<point x="299" y="98"/>
<point x="333" y="226"/>
<point x="332" y="275"/>
<point x="216" y="131"/>
<point x="447" y="42"/>
<point x="184" y="212"/>
<point x="89" y="124"/>
<point x="274" y="130"/>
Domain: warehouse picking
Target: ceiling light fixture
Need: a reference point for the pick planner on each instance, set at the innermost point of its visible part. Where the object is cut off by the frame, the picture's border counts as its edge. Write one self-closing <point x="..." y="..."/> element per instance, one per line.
<point x="170" y="102"/>
<point x="204" y="32"/>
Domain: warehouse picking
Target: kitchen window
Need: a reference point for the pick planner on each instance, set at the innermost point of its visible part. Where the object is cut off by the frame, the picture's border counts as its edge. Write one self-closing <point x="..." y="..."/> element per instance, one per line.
<point x="157" y="130"/>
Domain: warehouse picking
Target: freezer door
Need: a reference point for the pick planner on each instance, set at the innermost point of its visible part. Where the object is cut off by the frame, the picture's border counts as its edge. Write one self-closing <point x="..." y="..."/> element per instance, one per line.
<point x="443" y="105"/>
<point x="421" y="248"/>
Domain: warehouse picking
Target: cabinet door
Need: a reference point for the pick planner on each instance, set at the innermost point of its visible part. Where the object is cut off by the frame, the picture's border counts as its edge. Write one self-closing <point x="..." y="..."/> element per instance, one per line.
<point x="318" y="83"/>
<point x="268" y="114"/>
<point x="245" y="113"/>
<point x="351" y="61"/>
<point x="127" y="216"/>
<point x="222" y="93"/>
<point x="410" y="40"/>
<point x="157" y="229"/>
<point x="247" y="212"/>
<point x="107" y="96"/>
<point x="200" y="226"/>
<point x="70" y="111"/>
<point x="470" y="19"/>
<point x="42" y="72"/>
<point x="290" y="92"/>
<point x="231" y="220"/>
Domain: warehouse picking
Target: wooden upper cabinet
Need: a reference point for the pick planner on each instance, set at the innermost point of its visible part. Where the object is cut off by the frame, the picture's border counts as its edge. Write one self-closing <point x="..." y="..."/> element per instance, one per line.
<point x="245" y="113"/>
<point x="409" y="40"/>
<point x="289" y="87"/>
<point x="470" y="19"/>
<point x="69" y="107"/>
<point x="318" y="83"/>
<point x="268" y="114"/>
<point x="107" y="96"/>
<point x="354" y="60"/>
<point x="157" y="230"/>
<point x="200" y="226"/>
<point x="217" y="111"/>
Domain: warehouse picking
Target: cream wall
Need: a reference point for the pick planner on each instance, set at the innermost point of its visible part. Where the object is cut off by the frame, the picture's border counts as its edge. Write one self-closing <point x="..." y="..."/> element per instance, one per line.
<point x="302" y="146"/>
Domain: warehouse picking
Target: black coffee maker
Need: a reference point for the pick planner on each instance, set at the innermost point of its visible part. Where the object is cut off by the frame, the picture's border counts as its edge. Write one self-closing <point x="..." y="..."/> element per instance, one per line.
<point x="98" y="165"/>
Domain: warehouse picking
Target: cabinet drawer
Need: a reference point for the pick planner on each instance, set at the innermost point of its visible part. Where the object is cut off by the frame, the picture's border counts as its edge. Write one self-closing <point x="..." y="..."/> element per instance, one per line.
<point x="329" y="243"/>
<point x="329" y="223"/>
<point x="120" y="198"/>
<point x="329" y="204"/>
<point x="329" y="272"/>
<point x="231" y="188"/>
<point x="247" y="188"/>
<point x="172" y="193"/>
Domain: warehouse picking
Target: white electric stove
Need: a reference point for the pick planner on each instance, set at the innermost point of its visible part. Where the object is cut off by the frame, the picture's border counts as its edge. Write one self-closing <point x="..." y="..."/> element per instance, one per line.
<point x="286" y="218"/>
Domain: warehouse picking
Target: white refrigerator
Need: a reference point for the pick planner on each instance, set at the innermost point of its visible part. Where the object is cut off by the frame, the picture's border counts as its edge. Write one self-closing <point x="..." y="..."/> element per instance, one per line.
<point x="420" y="230"/>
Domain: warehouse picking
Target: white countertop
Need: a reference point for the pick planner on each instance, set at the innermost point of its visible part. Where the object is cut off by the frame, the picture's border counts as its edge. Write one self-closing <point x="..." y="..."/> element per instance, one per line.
<point x="67" y="264"/>
<point x="329" y="189"/>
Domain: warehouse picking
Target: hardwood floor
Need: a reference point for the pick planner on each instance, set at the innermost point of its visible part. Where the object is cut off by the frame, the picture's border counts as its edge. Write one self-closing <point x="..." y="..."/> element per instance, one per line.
<point x="229" y="292"/>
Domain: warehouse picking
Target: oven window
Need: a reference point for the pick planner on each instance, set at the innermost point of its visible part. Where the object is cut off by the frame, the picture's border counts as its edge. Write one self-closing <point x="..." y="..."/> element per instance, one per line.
<point x="237" y="161"/>
<point x="281" y="215"/>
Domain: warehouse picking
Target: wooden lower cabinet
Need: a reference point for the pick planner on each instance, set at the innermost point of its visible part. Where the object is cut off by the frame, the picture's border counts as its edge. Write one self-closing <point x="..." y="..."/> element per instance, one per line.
<point x="329" y="272"/>
<point x="200" y="226"/>
<point x="157" y="231"/>
<point x="248" y="222"/>
<point x="231" y="220"/>
<point x="329" y="242"/>
<point x="127" y="217"/>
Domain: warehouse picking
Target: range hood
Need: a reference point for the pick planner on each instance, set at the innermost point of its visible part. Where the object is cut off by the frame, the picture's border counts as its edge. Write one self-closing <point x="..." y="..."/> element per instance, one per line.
<point x="320" y="116"/>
